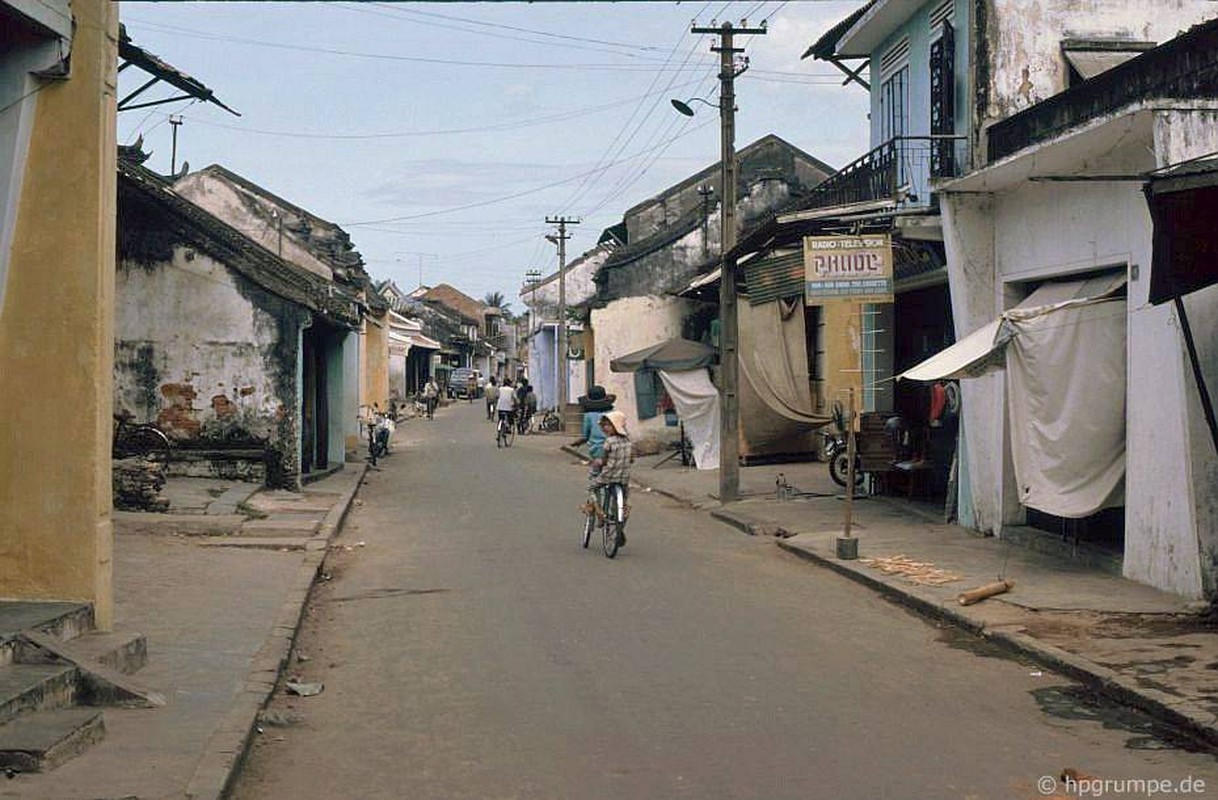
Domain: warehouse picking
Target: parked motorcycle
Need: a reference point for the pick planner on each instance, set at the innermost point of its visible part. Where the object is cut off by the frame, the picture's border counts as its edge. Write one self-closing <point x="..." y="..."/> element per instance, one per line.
<point x="836" y="451"/>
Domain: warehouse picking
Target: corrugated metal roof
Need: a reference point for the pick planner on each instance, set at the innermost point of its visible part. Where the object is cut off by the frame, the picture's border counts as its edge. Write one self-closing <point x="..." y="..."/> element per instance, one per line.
<point x="772" y="278"/>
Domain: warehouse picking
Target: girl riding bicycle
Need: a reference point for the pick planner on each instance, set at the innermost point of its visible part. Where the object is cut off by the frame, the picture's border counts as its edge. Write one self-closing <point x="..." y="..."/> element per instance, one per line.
<point x="619" y="456"/>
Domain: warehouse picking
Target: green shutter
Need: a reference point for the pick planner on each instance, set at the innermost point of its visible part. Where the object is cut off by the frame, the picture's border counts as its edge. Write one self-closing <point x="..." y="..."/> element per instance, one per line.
<point x="645" y="394"/>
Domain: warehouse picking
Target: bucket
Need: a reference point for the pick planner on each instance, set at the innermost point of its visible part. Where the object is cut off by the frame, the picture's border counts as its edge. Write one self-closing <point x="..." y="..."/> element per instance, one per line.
<point x="847" y="548"/>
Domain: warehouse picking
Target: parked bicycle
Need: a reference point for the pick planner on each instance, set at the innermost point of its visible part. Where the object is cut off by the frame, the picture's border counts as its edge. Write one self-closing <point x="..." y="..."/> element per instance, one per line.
<point x="550" y="421"/>
<point x="380" y="428"/>
<point x="505" y="430"/>
<point x="143" y="440"/>
<point x="606" y="507"/>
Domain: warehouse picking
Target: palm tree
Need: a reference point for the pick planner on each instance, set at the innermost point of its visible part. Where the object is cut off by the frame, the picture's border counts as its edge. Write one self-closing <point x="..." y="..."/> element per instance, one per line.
<point x="497" y="300"/>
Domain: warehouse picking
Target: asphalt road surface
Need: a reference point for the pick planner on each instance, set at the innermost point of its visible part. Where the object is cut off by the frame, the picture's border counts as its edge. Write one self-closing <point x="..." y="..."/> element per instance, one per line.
<point x="470" y="648"/>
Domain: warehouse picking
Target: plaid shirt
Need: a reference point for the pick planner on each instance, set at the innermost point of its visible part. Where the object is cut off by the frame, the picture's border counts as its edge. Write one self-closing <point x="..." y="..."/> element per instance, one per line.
<point x="618" y="456"/>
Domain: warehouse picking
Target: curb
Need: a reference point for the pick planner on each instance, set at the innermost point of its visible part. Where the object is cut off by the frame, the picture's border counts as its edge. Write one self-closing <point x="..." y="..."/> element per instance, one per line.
<point x="1185" y="716"/>
<point x="228" y="745"/>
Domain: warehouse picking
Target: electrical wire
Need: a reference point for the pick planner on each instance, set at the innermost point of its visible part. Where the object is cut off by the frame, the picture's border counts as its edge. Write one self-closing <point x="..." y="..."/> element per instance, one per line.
<point x="577" y="42"/>
<point x="479" y="204"/>
<point x="615" y="149"/>
<point x="563" y="116"/>
<point x="192" y="33"/>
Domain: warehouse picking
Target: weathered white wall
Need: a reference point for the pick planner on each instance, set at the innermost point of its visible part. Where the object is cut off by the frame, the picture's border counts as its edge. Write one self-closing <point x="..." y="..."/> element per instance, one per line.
<point x="968" y="238"/>
<point x="542" y="300"/>
<point x="1176" y="513"/>
<point x="1024" y="38"/>
<point x="250" y="216"/>
<point x="195" y="385"/>
<point x="623" y="327"/>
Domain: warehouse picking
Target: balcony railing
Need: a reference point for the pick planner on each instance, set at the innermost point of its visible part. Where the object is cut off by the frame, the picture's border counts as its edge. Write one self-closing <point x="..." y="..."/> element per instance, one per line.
<point x="899" y="170"/>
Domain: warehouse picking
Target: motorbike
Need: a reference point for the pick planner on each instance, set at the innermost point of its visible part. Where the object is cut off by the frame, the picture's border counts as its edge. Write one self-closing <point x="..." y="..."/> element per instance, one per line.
<point x="836" y="451"/>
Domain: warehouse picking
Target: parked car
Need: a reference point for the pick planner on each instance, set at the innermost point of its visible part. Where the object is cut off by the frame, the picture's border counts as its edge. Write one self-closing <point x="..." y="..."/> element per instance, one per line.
<point x="458" y="382"/>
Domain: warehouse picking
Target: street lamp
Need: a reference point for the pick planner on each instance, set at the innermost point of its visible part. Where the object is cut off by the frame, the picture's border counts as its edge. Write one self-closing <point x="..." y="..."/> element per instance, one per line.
<point x="684" y="107"/>
<point x="729" y="357"/>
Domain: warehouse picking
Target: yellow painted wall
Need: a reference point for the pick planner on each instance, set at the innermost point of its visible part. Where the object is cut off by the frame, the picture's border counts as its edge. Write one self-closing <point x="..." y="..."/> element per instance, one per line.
<point x="843" y="352"/>
<point x="376" y="362"/>
<point x="56" y="337"/>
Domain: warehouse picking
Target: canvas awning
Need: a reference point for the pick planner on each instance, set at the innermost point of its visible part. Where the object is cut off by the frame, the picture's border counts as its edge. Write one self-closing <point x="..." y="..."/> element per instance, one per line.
<point x="1063" y="350"/>
<point x="673" y="355"/>
<point x="983" y="350"/>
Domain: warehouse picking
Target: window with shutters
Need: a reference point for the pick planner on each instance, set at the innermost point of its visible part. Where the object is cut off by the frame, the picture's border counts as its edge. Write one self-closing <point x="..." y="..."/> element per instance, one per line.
<point x="943" y="102"/>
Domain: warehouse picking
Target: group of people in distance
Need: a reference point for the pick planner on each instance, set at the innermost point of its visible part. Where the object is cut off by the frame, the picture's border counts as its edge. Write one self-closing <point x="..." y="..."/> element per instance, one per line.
<point x="516" y="403"/>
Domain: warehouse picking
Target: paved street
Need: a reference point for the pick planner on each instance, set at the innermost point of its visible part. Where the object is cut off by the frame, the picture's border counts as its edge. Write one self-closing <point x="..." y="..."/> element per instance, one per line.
<point x="470" y="649"/>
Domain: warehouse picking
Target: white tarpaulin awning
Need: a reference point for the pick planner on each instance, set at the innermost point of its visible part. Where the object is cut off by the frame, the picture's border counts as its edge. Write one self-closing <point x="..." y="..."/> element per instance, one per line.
<point x="983" y="350"/>
<point x="697" y="402"/>
<point x="1063" y="349"/>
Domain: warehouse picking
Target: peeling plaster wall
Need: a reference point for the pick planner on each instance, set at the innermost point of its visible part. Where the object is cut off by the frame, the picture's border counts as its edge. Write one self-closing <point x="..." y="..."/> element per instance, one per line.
<point x="625" y="326"/>
<point x="1179" y="136"/>
<point x="208" y="357"/>
<point x="1023" y="38"/>
<point x="579" y="286"/>
<point x="251" y="216"/>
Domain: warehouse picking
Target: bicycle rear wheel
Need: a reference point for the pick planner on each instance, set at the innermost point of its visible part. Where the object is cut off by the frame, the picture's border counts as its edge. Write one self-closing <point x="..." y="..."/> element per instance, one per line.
<point x="144" y="442"/>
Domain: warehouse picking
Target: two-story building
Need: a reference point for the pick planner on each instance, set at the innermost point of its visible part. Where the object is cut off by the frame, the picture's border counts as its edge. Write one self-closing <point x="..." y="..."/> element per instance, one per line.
<point x="1039" y="124"/>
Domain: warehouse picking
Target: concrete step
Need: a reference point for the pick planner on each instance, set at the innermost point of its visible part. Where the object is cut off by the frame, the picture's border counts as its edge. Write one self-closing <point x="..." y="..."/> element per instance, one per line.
<point x="96" y="684"/>
<point x="41" y="741"/>
<point x="61" y="620"/>
<point x="33" y="687"/>
<point x="122" y="651"/>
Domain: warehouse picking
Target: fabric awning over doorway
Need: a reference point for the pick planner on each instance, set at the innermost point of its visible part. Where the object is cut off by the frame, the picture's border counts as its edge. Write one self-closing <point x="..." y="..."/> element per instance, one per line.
<point x="672" y="355"/>
<point x="1063" y="349"/>
<point x="983" y="350"/>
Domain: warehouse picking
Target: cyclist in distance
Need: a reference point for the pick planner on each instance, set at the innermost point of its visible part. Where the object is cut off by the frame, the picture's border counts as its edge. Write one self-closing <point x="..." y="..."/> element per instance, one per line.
<point x="506" y="404"/>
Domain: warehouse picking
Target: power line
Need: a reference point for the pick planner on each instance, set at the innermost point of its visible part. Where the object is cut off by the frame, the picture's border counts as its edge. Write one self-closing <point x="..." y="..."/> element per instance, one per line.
<point x="578" y="42"/>
<point x="563" y="116"/>
<point x="484" y="203"/>
<point x="191" y="33"/>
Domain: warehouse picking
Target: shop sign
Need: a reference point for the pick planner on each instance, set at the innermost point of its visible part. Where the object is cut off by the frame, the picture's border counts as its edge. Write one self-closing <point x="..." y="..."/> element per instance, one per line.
<point x="857" y="268"/>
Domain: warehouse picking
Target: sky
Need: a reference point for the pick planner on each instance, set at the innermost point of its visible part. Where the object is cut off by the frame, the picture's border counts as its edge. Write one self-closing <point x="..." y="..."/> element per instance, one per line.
<point x="441" y="135"/>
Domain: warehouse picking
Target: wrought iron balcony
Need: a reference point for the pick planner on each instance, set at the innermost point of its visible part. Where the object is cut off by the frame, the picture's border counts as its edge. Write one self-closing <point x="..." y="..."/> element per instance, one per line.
<point x="900" y="170"/>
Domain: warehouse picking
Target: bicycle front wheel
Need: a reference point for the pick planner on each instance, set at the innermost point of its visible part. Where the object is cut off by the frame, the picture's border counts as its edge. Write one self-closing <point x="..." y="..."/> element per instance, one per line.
<point x="611" y="525"/>
<point x="589" y="524"/>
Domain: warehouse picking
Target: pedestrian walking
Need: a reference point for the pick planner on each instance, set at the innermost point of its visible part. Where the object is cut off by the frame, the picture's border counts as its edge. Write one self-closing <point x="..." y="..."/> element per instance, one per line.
<point x="492" y="397"/>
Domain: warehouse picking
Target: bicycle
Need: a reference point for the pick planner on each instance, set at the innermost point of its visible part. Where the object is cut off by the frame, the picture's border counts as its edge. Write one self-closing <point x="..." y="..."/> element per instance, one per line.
<point x="550" y="421"/>
<point x="524" y="425"/>
<point x="607" y="507"/>
<point x="143" y="440"/>
<point x="378" y="438"/>
<point x="505" y="430"/>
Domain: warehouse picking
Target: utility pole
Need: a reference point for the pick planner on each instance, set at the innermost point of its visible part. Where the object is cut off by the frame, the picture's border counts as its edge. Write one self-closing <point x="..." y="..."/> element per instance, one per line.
<point x="705" y="193"/>
<point x="729" y="363"/>
<point x="174" y="121"/>
<point x="560" y="239"/>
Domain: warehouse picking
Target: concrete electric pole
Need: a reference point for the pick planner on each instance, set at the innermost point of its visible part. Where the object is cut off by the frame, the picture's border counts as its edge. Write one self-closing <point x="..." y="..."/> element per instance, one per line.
<point x="729" y="364"/>
<point x="560" y="239"/>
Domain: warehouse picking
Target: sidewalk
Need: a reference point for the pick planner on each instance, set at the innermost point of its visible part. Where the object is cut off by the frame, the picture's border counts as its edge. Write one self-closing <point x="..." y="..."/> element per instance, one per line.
<point x="1137" y="645"/>
<point x="218" y="587"/>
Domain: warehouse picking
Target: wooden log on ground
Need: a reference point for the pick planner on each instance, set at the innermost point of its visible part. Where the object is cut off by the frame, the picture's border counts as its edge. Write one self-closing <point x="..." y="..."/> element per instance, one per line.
<point x="982" y="592"/>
